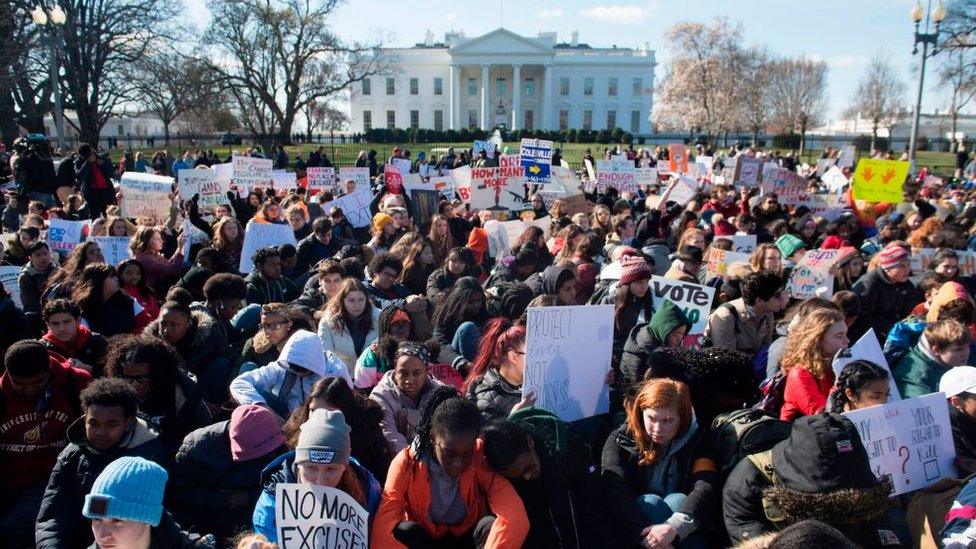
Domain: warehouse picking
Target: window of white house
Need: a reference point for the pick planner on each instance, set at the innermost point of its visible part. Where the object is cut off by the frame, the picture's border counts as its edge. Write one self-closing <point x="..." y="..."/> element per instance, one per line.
<point x="472" y="86"/>
<point x="500" y="87"/>
<point x="472" y="118"/>
<point x="367" y="86"/>
<point x="438" y="120"/>
<point x="564" y="85"/>
<point x="634" y="121"/>
<point x="612" y="87"/>
<point x="587" y="119"/>
<point x="529" y="120"/>
<point x="367" y="121"/>
<point x="529" y="87"/>
<point x="563" y="119"/>
<point x="414" y="86"/>
<point x="391" y="120"/>
<point x="414" y="120"/>
<point x="611" y="120"/>
<point x="588" y="86"/>
<point x="438" y="86"/>
<point x="390" y="86"/>
<point x="638" y="88"/>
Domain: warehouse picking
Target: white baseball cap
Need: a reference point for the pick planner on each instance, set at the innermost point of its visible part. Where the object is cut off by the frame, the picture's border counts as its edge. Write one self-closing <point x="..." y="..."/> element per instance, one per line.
<point x="961" y="379"/>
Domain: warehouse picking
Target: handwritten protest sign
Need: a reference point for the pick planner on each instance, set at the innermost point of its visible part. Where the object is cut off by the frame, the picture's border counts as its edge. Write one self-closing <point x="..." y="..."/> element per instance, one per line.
<point x="834" y="179"/>
<point x="223" y="173"/>
<point x="252" y="172"/>
<point x="503" y="234"/>
<point x="678" y="158"/>
<point x="788" y="186"/>
<point x="812" y="274"/>
<point x="8" y="276"/>
<point x="536" y="157"/>
<point x="443" y="184"/>
<point x="565" y="180"/>
<point x="63" y="235"/>
<point x="392" y="179"/>
<point x="308" y="516"/>
<point x="284" y="181"/>
<point x="590" y="170"/>
<point x="355" y="206"/>
<point x="877" y="180"/>
<point x="646" y="176"/>
<point x="263" y="235"/>
<point x="704" y="166"/>
<point x="511" y="166"/>
<point x="909" y="440"/>
<point x="828" y="206"/>
<point x="846" y="157"/>
<point x="567" y="357"/>
<point x="694" y="300"/>
<point x="491" y="191"/>
<point x="205" y="183"/>
<point x="684" y="190"/>
<point x="719" y="261"/>
<point x="741" y="243"/>
<point x="115" y="249"/>
<point x="867" y="348"/>
<point x="462" y="182"/>
<point x="487" y="146"/>
<point x="824" y="164"/>
<point x="323" y="178"/>
<point x="359" y="175"/>
<point x="145" y="195"/>
<point x="619" y="175"/>
<point x="922" y="261"/>
<point x="748" y="171"/>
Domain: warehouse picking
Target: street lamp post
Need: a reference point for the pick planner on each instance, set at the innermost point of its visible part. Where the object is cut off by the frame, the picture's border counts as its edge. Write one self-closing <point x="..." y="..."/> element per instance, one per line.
<point x="51" y="21"/>
<point x="924" y="38"/>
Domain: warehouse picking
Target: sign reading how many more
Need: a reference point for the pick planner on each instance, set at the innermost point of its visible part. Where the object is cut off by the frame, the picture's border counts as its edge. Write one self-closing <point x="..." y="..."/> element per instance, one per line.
<point x="909" y="440"/>
<point x="536" y="159"/>
<point x="252" y="172"/>
<point x="813" y="273"/>
<point x="694" y="300"/>
<point x="491" y="191"/>
<point x="878" y="180"/>
<point x="308" y="516"/>
<point x="567" y="357"/>
<point x="145" y="196"/>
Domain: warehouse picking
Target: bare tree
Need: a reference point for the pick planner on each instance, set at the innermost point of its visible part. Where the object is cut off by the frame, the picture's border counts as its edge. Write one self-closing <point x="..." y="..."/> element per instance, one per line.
<point x="958" y="72"/>
<point x="169" y="84"/>
<point x="25" y="85"/>
<point x="755" y="102"/>
<point x="798" y="94"/>
<point x="280" y="55"/>
<point x="959" y="27"/>
<point x="323" y="116"/>
<point x="696" y="91"/>
<point x="879" y="97"/>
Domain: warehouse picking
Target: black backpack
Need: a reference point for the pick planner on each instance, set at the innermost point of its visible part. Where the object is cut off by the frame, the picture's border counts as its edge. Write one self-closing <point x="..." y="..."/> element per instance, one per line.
<point x="739" y="434"/>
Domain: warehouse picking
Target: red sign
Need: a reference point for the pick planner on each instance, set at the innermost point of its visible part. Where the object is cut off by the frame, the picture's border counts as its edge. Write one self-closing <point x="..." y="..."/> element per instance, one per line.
<point x="392" y="179"/>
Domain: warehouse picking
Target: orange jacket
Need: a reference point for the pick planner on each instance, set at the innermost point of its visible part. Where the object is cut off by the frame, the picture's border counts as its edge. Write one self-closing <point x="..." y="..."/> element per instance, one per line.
<point x="406" y="496"/>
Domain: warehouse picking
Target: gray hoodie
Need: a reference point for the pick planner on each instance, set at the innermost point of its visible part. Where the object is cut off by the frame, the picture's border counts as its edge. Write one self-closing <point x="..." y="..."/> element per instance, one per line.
<point x="400" y="414"/>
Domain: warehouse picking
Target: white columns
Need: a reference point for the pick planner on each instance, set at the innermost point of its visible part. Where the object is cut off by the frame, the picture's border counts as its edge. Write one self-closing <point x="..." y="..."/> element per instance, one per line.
<point x="455" y="98"/>
<point x="516" y="96"/>
<point x="546" y="96"/>
<point x="484" y="97"/>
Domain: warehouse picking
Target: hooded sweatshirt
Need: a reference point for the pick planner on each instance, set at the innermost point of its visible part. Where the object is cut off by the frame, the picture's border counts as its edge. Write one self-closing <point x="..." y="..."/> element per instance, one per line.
<point x="264" y="385"/>
<point x="646" y="337"/>
<point x="549" y="281"/>
<point x="400" y="414"/>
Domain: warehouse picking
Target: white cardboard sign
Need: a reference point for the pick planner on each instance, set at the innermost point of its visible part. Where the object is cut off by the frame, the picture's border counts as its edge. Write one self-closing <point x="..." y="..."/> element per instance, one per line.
<point x="355" y="206"/>
<point x="308" y="516"/>
<point x="694" y="299"/>
<point x="8" y="277"/>
<point x="867" y="348"/>
<point x="252" y="172"/>
<point x="263" y="235"/>
<point x="145" y="195"/>
<point x="115" y="249"/>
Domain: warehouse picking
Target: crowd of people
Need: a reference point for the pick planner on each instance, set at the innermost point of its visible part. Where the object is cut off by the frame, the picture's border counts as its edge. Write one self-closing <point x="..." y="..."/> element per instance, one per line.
<point x="159" y="402"/>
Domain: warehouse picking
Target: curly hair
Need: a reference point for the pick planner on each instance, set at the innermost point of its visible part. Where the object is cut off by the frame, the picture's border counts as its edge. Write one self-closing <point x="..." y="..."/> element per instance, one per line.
<point x="163" y="360"/>
<point x="803" y="342"/>
<point x="70" y="272"/>
<point x="220" y="242"/>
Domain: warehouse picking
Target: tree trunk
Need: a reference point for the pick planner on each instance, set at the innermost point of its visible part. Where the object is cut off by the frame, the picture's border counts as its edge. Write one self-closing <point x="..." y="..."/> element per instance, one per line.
<point x="166" y="132"/>
<point x="8" y="128"/>
<point x="874" y="137"/>
<point x="953" y="143"/>
<point x="803" y="137"/>
<point x="88" y="126"/>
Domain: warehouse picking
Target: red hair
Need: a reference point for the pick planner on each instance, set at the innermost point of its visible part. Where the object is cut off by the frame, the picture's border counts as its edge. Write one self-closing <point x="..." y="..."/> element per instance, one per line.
<point x="500" y="336"/>
<point x="657" y="393"/>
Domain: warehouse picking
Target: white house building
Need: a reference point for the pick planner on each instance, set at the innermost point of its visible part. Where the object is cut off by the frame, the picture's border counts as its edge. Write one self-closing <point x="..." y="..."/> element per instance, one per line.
<point x="502" y="78"/>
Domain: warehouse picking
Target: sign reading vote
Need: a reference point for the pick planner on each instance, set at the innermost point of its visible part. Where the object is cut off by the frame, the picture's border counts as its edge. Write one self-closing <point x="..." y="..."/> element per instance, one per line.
<point x="567" y="357"/>
<point x="308" y="516"/>
<point x="536" y="159"/>
<point x="877" y="180"/>
<point x="694" y="300"/>
<point x="908" y="440"/>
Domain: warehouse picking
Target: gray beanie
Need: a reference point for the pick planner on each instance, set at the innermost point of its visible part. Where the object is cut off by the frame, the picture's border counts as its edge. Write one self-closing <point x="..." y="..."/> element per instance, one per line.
<point x="324" y="438"/>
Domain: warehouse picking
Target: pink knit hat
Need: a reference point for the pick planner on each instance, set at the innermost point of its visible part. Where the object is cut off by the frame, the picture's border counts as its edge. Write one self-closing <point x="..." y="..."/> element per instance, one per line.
<point x="254" y="431"/>
<point x="634" y="269"/>
<point x="891" y="256"/>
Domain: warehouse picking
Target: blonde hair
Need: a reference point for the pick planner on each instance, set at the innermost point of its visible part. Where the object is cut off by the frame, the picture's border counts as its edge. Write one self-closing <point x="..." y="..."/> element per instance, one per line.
<point x="947" y="333"/>
<point x="803" y="342"/>
<point x="758" y="256"/>
<point x="656" y="393"/>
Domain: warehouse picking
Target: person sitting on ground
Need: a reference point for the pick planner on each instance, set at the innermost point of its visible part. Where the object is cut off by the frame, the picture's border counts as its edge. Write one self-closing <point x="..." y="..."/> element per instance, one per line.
<point x="959" y="386"/>
<point x="394" y="323"/>
<point x="107" y="430"/>
<point x="266" y="284"/>
<point x="350" y="323"/>
<point x="382" y="287"/>
<point x="71" y="339"/>
<point x="439" y="490"/>
<point x="494" y="383"/>
<point x="943" y="345"/>
<point x="667" y="328"/>
<point x="214" y="474"/>
<point x="33" y="278"/>
<point x="224" y="294"/>
<point x="403" y="392"/>
<point x="887" y="295"/>
<point x="322" y="457"/>
<point x="861" y="384"/>
<point x="810" y="350"/>
<point x="278" y="323"/>
<point x="40" y="399"/>
<point x="747" y="324"/>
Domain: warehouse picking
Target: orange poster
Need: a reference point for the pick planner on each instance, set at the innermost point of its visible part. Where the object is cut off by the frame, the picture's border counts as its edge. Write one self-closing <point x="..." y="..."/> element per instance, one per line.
<point x="678" y="158"/>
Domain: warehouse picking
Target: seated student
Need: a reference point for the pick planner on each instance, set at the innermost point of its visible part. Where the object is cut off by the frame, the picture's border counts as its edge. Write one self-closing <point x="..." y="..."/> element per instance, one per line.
<point x="458" y="263"/>
<point x="556" y="281"/>
<point x="278" y="323"/>
<point x="667" y="328"/>
<point x="959" y="386"/>
<point x="959" y="531"/>
<point x="439" y="491"/>
<point x="202" y="346"/>
<point x="943" y="345"/>
<point x="224" y="293"/>
<point x="810" y="349"/>
<point x="746" y="324"/>
<point x="887" y="295"/>
<point x="382" y="287"/>
<point x="216" y="470"/>
<point x="282" y="385"/>
<point x="320" y="288"/>
<point x="553" y="472"/>
<point x="168" y="397"/>
<point x="125" y="506"/>
<point x="820" y="472"/>
<point x="350" y="322"/>
<point x="457" y="323"/>
<point x="861" y="384"/>
<point x="108" y="430"/>
<point x="657" y="477"/>
<point x="33" y="277"/>
<point x="794" y="317"/>
<point x="266" y="284"/>
<point x="394" y="323"/>
<point x="322" y="457"/>
<point x="403" y="392"/>
<point x="71" y="339"/>
<point x="39" y="398"/>
<point x="495" y="381"/>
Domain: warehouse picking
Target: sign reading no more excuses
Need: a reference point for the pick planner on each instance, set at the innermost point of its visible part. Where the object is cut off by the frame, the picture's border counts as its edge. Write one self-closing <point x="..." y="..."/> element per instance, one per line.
<point x="308" y="516"/>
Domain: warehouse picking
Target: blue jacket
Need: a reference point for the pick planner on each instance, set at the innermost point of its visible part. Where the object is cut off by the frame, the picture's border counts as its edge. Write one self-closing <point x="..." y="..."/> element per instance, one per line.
<point x="283" y="470"/>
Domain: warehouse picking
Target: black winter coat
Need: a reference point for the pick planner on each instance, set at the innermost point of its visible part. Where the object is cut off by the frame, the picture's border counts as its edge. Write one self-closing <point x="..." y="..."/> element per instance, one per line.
<point x="189" y="412"/>
<point x="494" y="396"/>
<point x="883" y="303"/>
<point x="169" y="535"/>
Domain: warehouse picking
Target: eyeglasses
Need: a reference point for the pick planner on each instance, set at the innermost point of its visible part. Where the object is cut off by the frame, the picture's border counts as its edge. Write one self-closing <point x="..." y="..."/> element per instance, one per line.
<point x="271" y="326"/>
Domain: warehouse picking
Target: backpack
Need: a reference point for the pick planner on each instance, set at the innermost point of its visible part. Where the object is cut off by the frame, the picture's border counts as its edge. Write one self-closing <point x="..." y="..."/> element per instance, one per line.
<point x="735" y="322"/>
<point x="743" y="433"/>
<point x="277" y="400"/>
<point x="603" y="292"/>
<point x="774" y="391"/>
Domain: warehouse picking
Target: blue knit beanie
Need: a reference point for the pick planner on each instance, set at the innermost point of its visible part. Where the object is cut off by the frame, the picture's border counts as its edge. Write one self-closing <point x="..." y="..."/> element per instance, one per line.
<point x="130" y="488"/>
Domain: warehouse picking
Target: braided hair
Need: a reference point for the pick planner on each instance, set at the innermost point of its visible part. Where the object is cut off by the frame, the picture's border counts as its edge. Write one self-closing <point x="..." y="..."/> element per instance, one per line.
<point x="855" y="376"/>
<point x="445" y="412"/>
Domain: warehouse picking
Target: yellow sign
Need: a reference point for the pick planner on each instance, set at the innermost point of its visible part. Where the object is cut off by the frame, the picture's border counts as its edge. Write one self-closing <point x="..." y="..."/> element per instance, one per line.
<point x="879" y="180"/>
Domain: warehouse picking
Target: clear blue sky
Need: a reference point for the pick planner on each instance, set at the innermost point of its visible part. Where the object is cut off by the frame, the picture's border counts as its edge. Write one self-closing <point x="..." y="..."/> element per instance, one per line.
<point x="844" y="33"/>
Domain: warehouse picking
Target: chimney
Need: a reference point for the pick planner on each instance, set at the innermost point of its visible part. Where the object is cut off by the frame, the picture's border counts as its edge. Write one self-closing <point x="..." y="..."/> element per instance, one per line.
<point x="429" y="39"/>
<point x="574" y="38"/>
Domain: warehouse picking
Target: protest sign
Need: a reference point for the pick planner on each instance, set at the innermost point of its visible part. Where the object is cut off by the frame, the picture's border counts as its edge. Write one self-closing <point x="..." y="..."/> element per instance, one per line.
<point x="683" y="190"/>
<point x="828" y="206"/>
<point x="741" y="243"/>
<point x="704" y="166"/>
<point x="284" y="181"/>
<point x="424" y="203"/>
<point x="812" y="274"/>
<point x="359" y="175"/>
<point x="355" y="206"/>
<point x="788" y="186"/>
<point x="619" y="175"/>
<point x="867" y="348"/>
<point x="63" y="235"/>
<point x="511" y="166"/>
<point x="462" y="182"/>
<point x="251" y="172"/>
<point x="115" y="249"/>
<point x="909" y="440"/>
<point x="846" y="157"/>
<point x="877" y="180"/>
<point x="309" y="516"/>
<point x="646" y="176"/>
<point x="224" y="173"/>
<point x="413" y="181"/>
<point x="324" y="178"/>
<point x="694" y="300"/>
<point x="263" y="235"/>
<point x="567" y="357"/>
<point x="488" y="146"/>
<point x="443" y="184"/>
<point x="145" y="195"/>
<point x="719" y="261"/>
<point x="590" y="170"/>
<point x="922" y="261"/>
<point x="565" y="180"/>
<point x="678" y="158"/>
<point x="491" y="191"/>
<point x="205" y="183"/>
<point x="834" y="179"/>
<point x="503" y="234"/>
<point x="748" y="171"/>
<point x="9" y="275"/>
<point x="536" y="157"/>
<point x="575" y="204"/>
<point x="824" y="164"/>
<point x="393" y="179"/>
<point x="402" y="164"/>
